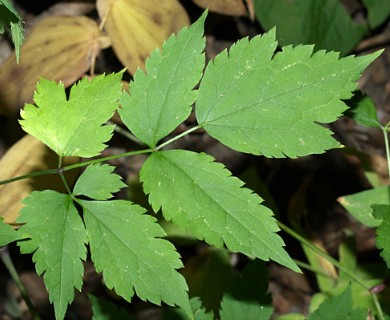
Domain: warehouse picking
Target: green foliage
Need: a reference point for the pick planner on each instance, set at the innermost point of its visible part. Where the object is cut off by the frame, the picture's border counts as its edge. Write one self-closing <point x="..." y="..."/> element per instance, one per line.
<point x="161" y="99"/>
<point x="363" y="111"/>
<point x="125" y="246"/>
<point x="247" y="299"/>
<point x="105" y="310"/>
<point x="286" y="97"/>
<point x="383" y="231"/>
<point x="200" y="195"/>
<point x="338" y="307"/>
<point x="360" y="204"/>
<point x="10" y="19"/>
<point x="63" y="125"/>
<point x="378" y="11"/>
<point x="57" y="241"/>
<point x="324" y="23"/>
<point x="98" y="182"/>
<point x="8" y="234"/>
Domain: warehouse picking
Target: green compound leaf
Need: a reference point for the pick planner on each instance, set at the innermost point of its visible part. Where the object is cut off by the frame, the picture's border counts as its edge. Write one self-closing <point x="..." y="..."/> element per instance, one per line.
<point x="9" y="18"/>
<point x="255" y="104"/>
<point x="57" y="239"/>
<point x="200" y="195"/>
<point x="98" y="182"/>
<point x="125" y="246"/>
<point x="248" y="297"/>
<point x="161" y="99"/>
<point x="325" y="23"/>
<point x="73" y="127"/>
<point x="383" y="231"/>
<point x="8" y="234"/>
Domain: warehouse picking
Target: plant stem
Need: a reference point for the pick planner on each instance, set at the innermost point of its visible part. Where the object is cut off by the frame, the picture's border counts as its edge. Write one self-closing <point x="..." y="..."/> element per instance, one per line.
<point x="126" y="133"/>
<point x="5" y="257"/>
<point x="385" y="130"/>
<point x="177" y="137"/>
<point x="116" y="156"/>
<point x="326" y="256"/>
<point x="322" y="253"/>
<point x="310" y="268"/>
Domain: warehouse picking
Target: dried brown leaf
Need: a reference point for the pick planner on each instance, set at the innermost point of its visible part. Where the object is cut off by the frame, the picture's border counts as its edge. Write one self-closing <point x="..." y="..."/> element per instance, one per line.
<point x="26" y="156"/>
<point x="58" y="48"/>
<point x="228" y="7"/>
<point x="136" y="27"/>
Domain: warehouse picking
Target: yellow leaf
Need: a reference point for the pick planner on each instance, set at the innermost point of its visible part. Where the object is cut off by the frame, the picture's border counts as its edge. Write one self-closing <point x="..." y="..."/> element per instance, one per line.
<point x="59" y="48"/>
<point x="26" y="156"/>
<point x="136" y="27"/>
<point x="228" y="7"/>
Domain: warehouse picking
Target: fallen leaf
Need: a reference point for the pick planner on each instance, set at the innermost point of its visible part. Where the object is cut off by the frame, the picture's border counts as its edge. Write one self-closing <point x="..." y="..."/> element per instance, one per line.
<point x="59" y="48"/>
<point x="26" y="156"/>
<point x="228" y="7"/>
<point x="136" y="27"/>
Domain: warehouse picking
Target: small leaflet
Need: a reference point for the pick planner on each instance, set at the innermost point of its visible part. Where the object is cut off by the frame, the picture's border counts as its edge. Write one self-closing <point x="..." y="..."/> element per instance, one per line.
<point x="98" y="182"/>
<point x="8" y="234"/>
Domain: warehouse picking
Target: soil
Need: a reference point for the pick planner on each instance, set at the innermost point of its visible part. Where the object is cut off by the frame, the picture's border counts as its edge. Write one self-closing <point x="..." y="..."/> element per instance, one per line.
<point x="305" y="189"/>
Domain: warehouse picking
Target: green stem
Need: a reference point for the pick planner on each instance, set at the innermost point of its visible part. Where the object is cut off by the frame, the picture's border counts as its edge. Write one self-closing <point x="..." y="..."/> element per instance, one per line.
<point x="326" y="256"/>
<point x="5" y="257"/>
<point x="178" y="137"/>
<point x="385" y="130"/>
<point x="310" y="268"/>
<point x="125" y="133"/>
<point x="86" y="163"/>
<point x="323" y="254"/>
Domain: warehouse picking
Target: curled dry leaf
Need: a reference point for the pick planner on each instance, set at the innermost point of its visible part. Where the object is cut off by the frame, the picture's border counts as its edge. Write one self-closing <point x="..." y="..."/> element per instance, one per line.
<point x="26" y="156"/>
<point x="228" y="7"/>
<point x="136" y="27"/>
<point x="59" y="48"/>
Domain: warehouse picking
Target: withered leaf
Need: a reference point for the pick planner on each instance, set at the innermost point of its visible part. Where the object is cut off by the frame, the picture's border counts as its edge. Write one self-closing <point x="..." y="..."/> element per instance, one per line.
<point x="26" y="156"/>
<point x="59" y="48"/>
<point x="136" y="27"/>
<point x="228" y="7"/>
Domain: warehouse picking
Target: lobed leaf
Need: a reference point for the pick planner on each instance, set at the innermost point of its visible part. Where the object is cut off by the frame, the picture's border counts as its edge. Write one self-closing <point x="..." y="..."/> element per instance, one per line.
<point x="125" y="246"/>
<point x="273" y="106"/>
<point x="161" y="98"/>
<point x="98" y="182"/>
<point x="383" y="231"/>
<point x="73" y="127"/>
<point x="57" y="241"/>
<point x="200" y="195"/>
